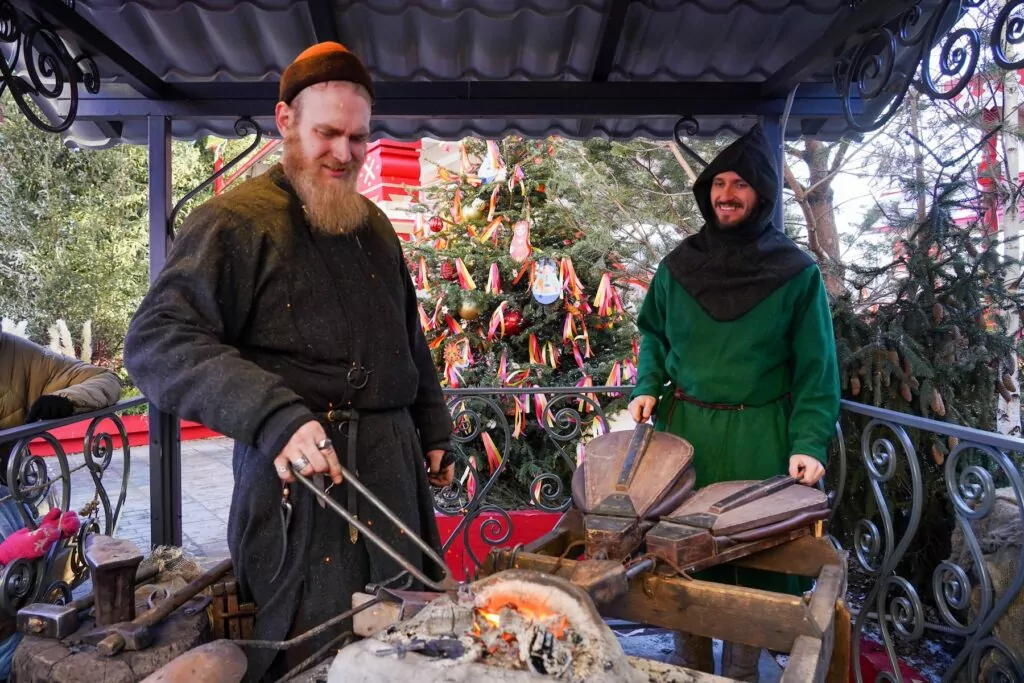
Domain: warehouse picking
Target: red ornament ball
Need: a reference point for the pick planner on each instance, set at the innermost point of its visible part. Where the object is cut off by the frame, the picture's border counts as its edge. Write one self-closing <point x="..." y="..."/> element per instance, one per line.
<point x="436" y="224"/>
<point x="513" y="323"/>
<point x="448" y="271"/>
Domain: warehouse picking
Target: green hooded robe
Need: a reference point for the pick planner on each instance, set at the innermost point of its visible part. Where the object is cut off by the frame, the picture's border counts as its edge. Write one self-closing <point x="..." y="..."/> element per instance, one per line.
<point x="740" y="317"/>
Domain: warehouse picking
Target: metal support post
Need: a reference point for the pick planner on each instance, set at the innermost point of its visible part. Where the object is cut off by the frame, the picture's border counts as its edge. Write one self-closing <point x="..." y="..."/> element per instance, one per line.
<point x="164" y="429"/>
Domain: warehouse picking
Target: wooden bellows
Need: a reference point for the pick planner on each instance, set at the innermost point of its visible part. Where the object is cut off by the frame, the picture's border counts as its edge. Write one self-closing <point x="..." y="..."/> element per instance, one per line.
<point x="636" y="491"/>
<point x="733" y="519"/>
<point x="627" y="481"/>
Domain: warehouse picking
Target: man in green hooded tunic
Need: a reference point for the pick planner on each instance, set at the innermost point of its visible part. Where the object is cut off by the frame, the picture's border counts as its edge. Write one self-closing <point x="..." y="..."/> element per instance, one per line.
<point x="737" y="355"/>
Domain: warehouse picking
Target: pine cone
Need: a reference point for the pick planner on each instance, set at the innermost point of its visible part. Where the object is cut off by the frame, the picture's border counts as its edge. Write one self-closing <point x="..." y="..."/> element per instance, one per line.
<point x="914" y="384"/>
<point x="938" y="313"/>
<point x="905" y="392"/>
<point x="894" y="358"/>
<point x="937" y="455"/>
<point x="938" y="407"/>
<point x="1007" y="396"/>
<point x="953" y="442"/>
<point x="1008" y="383"/>
<point x="855" y="385"/>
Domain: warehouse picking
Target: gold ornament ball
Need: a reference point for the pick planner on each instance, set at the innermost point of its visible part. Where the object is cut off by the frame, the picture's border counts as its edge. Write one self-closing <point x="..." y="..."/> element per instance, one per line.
<point x="469" y="310"/>
<point x="475" y="210"/>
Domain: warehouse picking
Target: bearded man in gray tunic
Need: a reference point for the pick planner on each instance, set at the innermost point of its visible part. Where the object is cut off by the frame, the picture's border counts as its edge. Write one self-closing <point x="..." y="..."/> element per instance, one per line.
<point x="286" y="319"/>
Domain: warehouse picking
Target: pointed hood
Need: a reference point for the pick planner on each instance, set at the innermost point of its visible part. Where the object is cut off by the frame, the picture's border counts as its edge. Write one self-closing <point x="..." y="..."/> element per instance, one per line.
<point x="729" y="271"/>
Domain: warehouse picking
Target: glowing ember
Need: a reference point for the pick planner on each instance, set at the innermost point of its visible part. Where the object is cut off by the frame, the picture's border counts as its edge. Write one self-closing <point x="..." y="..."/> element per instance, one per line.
<point x="514" y="627"/>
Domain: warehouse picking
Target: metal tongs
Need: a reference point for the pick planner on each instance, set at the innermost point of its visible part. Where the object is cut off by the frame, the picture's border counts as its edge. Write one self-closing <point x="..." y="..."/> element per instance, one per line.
<point x="349" y="478"/>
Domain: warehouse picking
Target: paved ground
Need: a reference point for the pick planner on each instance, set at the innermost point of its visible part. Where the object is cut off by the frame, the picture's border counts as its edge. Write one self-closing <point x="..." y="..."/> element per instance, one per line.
<point x="206" y="484"/>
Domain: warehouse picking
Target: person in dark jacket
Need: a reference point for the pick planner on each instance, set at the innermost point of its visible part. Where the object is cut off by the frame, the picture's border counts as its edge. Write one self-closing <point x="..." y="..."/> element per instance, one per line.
<point x="286" y="319"/>
<point x="737" y="355"/>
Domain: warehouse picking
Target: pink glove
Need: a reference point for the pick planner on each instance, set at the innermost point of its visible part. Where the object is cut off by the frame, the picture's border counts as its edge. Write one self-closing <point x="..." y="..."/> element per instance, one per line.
<point x="24" y="544"/>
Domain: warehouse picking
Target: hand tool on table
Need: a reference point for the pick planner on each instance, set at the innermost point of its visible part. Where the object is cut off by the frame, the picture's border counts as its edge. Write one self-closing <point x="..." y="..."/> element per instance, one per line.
<point x="358" y="525"/>
<point x="137" y="634"/>
<point x="728" y="520"/>
<point x="48" y="620"/>
<point x="391" y="606"/>
<point x="113" y="567"/>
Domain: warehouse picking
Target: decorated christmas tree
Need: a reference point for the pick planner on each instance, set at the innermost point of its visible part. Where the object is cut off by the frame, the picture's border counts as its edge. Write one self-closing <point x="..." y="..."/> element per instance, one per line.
<point x="508" y="300"/>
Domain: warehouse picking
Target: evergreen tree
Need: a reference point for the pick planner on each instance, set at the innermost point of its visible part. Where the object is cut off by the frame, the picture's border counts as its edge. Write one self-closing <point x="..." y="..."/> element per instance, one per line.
<point x="633" y="199"/>
<point x="931" y="340"/>
<point x="75" y="238"/>
<point x="506" y="300"/>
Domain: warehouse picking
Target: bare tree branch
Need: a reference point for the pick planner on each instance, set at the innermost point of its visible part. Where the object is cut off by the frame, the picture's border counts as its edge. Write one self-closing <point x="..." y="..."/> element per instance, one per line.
<point x="678" y="154"/>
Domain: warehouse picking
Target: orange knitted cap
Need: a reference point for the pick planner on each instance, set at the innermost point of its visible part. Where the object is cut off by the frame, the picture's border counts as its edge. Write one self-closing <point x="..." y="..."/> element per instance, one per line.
<point x="327" y="61"/>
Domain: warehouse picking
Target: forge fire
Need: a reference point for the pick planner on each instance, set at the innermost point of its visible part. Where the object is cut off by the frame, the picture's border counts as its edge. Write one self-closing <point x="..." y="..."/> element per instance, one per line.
<point x="513" y="626"/>
<point x="526" y="636"/>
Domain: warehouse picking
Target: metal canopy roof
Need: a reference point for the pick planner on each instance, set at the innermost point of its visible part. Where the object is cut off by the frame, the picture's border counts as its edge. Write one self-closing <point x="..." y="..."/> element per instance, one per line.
<point x="451" y="68"/>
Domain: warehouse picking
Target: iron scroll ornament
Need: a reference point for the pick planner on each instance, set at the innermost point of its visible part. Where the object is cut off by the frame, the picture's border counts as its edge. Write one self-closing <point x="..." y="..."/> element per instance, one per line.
<point x="243" y="126"/>
<point x="52" y="72"/>
<point x="32" y="489"/>
<point x="880" y="69"/>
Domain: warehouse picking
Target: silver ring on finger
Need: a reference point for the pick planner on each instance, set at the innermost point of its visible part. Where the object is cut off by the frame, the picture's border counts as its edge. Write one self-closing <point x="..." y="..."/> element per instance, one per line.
<point x="301" y="462"/>
<point x="282" y="470"/>
<point x="323" y="445"/>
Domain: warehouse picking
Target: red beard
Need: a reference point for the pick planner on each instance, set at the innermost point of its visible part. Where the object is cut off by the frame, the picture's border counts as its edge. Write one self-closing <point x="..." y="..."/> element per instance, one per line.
<point x="333" y="207"/>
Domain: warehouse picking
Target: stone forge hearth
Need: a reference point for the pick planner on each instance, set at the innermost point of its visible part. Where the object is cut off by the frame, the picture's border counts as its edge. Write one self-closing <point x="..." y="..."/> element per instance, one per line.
<point x="515" y="626"/>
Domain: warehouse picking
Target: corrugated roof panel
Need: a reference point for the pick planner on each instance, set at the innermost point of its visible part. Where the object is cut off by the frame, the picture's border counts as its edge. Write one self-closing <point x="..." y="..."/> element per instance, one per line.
<point x="224" y="41"/>
<point x="717" y="40"/>
<point x="86" y="134"/>
<point x="477" y="41"/>
<point x="202" y="40"/>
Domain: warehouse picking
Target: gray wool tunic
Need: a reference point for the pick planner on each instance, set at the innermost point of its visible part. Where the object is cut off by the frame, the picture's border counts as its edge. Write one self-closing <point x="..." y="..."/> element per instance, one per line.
<point x="252" y="329"/>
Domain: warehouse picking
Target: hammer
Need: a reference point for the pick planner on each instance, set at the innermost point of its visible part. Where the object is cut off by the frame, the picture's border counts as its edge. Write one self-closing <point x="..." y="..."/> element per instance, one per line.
<point x="137" y="634"/>
<point x="47" y="620"/>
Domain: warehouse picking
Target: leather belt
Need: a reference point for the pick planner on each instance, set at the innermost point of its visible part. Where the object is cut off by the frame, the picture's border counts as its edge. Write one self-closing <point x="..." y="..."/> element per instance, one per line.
<point x="335" y="419"/>
<point x="683" y="396"/>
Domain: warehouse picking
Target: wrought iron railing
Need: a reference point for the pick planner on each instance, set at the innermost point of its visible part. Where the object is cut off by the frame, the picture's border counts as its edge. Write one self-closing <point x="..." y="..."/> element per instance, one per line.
<point x="980" y="473"/>
<point x="493" y="423"/>
<point x="38" y="483"/>
<point x="517" y="448"/>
